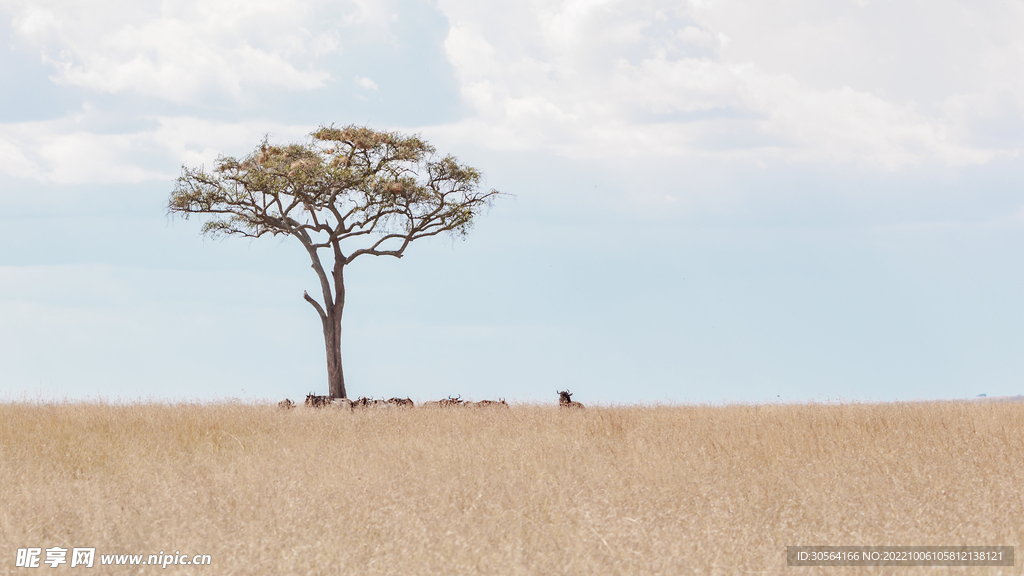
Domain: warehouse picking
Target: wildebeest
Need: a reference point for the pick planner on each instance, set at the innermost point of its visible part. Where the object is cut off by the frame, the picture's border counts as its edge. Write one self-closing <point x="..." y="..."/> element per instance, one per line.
<point x="364" y="402"/>
<point x="565" y="400"/>
<point x="489" y="404"/>
<point x="313" y="401"/>
<point x="449" y="401"/>
<point x="286" y="404"/>
<point x="401" y="402"/>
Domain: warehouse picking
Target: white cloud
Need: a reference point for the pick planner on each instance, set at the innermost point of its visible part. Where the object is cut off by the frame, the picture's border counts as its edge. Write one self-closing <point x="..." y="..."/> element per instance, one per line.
<point x="782" y="80"/>
<point x="365" y="83"/>
<point x="789" y="80"/>
<point x="63" y="151"/>
<point x="14" y="162"/>
<point x="182" y="51"/>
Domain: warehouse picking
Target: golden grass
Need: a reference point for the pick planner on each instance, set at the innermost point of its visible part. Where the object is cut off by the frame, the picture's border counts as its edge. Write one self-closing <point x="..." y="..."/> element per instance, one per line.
<point x="531" y="490"/>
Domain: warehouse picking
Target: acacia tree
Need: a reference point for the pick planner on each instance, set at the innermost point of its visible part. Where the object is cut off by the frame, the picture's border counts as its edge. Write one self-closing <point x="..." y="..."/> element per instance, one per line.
<point x="344" y="193"/>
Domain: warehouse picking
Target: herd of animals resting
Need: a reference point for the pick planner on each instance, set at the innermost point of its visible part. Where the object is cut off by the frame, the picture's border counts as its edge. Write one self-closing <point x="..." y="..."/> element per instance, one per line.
<point x="312" y="401"/>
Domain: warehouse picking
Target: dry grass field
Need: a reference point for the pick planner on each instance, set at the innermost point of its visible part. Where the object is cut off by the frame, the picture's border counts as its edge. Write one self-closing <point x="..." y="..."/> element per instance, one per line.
<point x="530" y="490"/>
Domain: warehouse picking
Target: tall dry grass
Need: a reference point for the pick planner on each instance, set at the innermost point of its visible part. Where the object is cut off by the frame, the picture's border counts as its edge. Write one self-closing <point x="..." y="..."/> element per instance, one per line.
<point x="531" y="490"/>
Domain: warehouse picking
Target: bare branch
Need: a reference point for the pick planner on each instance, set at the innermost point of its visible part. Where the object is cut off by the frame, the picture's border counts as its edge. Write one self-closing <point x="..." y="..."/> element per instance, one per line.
<point x="325" y="284"/>
<point x="319" y="309"/>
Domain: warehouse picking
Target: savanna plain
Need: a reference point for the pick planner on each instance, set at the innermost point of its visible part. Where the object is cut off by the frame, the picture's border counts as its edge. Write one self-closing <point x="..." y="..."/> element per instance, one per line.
<point x="528" y="490"/>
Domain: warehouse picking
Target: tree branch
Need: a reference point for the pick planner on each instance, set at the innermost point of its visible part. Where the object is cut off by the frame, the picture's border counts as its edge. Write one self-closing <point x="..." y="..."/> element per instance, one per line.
<point x="325" y="284"/>
<point x="319" y="309"/>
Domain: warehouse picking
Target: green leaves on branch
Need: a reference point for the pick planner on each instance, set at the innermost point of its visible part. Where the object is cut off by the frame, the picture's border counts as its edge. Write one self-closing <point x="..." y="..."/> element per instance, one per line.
<point x="342" y="183"/>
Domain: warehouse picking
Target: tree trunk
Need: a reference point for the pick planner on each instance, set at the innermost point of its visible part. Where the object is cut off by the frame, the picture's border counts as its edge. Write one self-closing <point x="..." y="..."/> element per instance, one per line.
<point x="330" y="316"/>
<point x="332" y="339"/>
<point x="332" y="334"/>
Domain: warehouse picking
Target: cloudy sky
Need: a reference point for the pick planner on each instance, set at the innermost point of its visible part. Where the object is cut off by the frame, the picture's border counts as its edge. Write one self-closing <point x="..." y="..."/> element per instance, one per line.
<point x="714" y="200"/>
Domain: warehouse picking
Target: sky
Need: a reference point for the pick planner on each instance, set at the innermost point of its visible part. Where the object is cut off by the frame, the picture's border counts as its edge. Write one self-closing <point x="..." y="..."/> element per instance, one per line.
<point x="710" y="201"/>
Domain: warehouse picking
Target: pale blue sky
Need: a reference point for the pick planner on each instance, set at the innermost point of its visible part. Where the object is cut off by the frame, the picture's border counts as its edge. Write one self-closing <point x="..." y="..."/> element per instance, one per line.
<point x="714" y="200"/>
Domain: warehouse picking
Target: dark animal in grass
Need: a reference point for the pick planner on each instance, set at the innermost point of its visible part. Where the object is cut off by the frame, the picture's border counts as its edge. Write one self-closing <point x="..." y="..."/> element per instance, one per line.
<point x="490" y="403"/>
<point x="364" y="402"/>
<point x="314" y="401"/>
<point x="450" y="402"/>
<point x="401" y="402"/>
<point x="286" y="404"/>
<point x="565" y="400"/>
